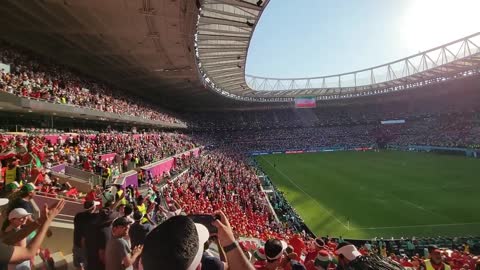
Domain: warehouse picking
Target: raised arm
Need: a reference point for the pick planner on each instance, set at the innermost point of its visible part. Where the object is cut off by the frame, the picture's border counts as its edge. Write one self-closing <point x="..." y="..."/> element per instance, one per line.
<point x="235" y="256"/>
<point x="48" y="214"/>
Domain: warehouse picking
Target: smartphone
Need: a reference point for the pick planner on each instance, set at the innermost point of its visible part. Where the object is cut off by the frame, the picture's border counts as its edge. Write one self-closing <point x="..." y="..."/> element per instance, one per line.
<point x="205" y="220"/>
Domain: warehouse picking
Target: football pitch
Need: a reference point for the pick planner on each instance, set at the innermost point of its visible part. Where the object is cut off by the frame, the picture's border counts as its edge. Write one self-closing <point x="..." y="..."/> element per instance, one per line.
<point x="380" y="194"/>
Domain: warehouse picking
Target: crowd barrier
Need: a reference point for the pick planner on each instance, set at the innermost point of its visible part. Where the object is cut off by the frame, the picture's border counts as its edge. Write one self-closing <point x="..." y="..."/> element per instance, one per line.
<point x="60" y="168"/>
<point x="475" y="153"/>
<point x="311" y="150"/>
<point x="165" y="165"/>
<point x="81" y="184"/>
<point x="77" y="173"/>
<point x="126" y="179"/>
<point x="68" y="212"/>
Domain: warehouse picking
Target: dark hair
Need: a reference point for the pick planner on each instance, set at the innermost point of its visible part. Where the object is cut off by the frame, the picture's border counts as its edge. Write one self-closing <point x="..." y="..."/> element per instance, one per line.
<point x="272" y="248"/>
<point x="137" y="215"/>
<point x="128" y="209"/>
<point x="24" y="193"/>
<point x="108" y="204"/>
<point x="171" y="245"/>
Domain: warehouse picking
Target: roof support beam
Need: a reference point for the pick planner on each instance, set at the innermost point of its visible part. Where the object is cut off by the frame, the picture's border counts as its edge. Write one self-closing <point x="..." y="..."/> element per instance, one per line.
<point x="231" y="84"/>
<point x="221" y="64"/>
<point x="237" y="3"/>
<point x="223" y="69"/>
<point x="222" y="46"/>
<point x="230" y="79"/>
<point x="228" y="74"/>
<point x="213" y="50"/>
<point x="210" y="20"/>
<point x="231" y="14"/>
<point x="223" y="72"/>
<point x="213" y="62"/>
<point x="204" y="29"/>
<point x="202" y="37"/>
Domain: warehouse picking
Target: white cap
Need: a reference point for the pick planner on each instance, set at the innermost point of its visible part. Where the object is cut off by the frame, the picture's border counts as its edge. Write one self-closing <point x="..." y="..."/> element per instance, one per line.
<point x="3" y="201"/>
<point x="18" y="213"/>
<point x="203" y="236"/>
<point x="349" y="251"/>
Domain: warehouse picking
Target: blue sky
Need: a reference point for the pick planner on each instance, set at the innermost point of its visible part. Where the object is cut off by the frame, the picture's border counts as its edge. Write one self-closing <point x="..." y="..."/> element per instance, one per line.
<point x="303" y="38"/>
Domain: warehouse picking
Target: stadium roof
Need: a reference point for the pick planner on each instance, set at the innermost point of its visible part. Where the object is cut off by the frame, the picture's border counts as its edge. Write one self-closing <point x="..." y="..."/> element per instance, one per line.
<point x="191" y="54"/>
<point x="145" y="47"/>
<point x="224" y="32"/>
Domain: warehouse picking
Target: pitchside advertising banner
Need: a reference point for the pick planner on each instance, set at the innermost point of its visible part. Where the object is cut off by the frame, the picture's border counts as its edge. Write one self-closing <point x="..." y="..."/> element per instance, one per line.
<point x="392" y="122"/>
<point x="305" y="102"/>
<point x="317" y="150"/>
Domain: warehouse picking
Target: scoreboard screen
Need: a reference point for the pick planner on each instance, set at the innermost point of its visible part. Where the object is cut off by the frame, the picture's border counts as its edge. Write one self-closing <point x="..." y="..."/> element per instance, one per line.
<point x="305" y="102"/>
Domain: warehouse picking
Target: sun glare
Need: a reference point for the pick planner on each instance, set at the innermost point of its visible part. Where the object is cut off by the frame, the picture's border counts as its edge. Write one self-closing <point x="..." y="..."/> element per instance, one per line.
<point x="430" y="23"/>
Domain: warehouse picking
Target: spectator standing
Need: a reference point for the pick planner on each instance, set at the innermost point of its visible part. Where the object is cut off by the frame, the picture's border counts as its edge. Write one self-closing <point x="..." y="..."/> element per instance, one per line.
<point x="81" y="224"/>
<point x="99" y="232"/>
<point x="118" y="254"/>
<point x="138" y="231"/>
<point x="349" y="258"/>
<point x="319" y="246"/>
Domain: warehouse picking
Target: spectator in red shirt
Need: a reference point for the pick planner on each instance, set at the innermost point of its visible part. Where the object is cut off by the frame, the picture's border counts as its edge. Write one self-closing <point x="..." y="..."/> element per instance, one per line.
<point x="319" y="245"/>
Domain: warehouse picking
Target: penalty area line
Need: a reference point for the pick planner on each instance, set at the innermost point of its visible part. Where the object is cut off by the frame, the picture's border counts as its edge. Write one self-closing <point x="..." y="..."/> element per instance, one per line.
<point x="304" y="192"/>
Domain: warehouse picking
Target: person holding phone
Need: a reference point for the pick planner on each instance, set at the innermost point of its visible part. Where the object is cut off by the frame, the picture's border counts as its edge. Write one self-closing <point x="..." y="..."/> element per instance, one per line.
<point x="210" y="261"/>
<point x="178" y="243"/>
<point x="235" y="257"/>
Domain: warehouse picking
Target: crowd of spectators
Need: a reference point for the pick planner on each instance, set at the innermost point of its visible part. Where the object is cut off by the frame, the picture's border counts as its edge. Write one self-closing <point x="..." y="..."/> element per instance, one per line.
<point x="218" y="181"/>
<point x="127" y="151"/>
<point x="122" y="225"/>
<point x="39" y="79"/>
<point x="439" y="102"/>
<point x="295" y="139"/>
<point x="215" y="199"/>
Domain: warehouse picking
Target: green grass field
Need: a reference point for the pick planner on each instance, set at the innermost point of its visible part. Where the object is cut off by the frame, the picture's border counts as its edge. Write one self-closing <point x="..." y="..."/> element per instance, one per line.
<point x="386" y="194"/>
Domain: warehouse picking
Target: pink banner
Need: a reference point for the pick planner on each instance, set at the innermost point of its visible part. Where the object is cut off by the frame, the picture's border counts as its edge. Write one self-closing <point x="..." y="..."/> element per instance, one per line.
<point x="158" y="168"/>
<point x="52" y="138"/>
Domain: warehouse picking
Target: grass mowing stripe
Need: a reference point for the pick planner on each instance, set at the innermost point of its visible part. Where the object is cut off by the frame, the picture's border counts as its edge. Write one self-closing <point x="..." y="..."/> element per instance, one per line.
<point x="303" y="191"/>
<point x="386" y="194"/>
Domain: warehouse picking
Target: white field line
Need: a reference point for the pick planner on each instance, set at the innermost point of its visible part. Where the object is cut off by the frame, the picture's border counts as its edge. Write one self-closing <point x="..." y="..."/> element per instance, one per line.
<point x="299" y="188"/>
<point x="417" y="226"/>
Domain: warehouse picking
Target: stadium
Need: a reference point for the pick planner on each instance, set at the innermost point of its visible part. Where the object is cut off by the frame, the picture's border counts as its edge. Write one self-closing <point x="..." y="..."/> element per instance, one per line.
<point x="133" y="136"/>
